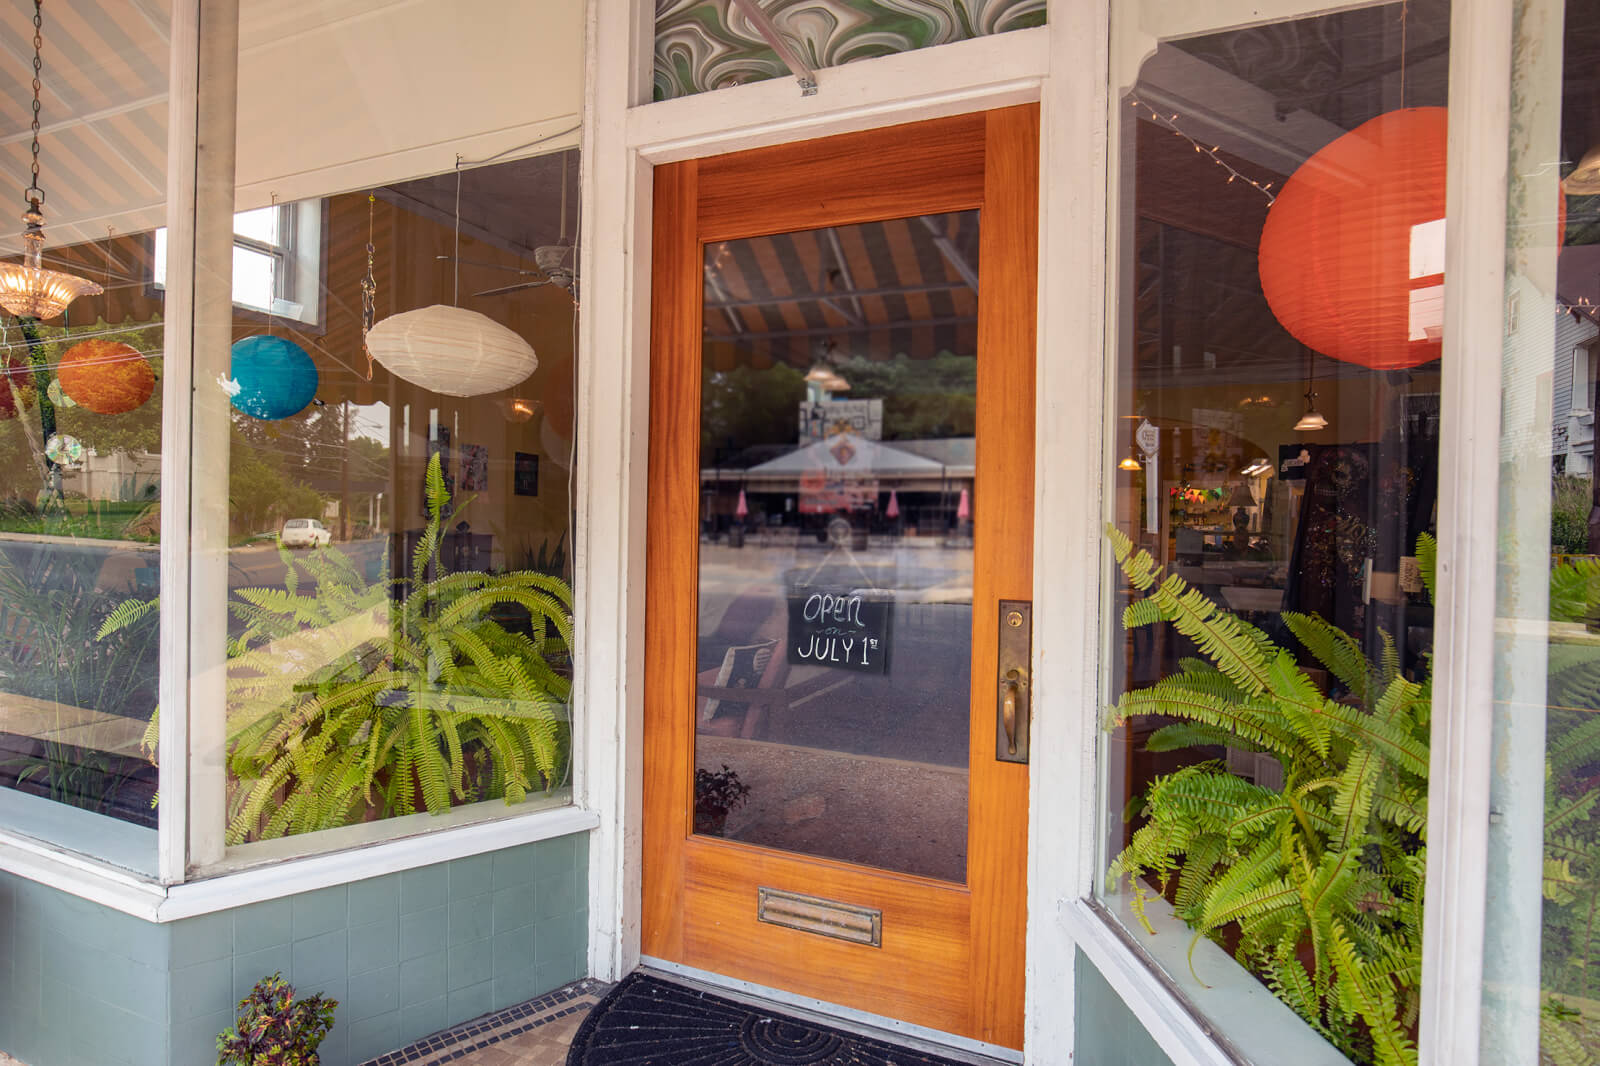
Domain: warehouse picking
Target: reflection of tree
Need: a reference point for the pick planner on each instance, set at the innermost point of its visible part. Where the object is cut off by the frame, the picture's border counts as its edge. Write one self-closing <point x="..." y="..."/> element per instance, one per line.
<point x="922" y="398"/>
<point x="138" y="430"/>
<point x="369" y="459"/>
<point x="261" y="491"/>
<point x="745" y="406"/>
<point x="305" y="447"/>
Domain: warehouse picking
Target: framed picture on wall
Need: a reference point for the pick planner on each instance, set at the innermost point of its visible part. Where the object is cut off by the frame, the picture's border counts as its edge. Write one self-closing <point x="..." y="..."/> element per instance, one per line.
<point x="474" y="467"/>
<point x="525" y="474"/>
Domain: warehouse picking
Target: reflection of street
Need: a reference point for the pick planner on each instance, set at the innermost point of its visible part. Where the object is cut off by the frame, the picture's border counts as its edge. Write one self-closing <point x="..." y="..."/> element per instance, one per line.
<point x="893" y="794"/>
<point x="261" y="566"/>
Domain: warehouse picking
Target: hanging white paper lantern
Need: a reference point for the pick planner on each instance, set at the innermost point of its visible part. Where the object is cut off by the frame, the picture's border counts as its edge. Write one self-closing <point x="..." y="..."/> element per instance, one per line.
<point x="451" y="350"/>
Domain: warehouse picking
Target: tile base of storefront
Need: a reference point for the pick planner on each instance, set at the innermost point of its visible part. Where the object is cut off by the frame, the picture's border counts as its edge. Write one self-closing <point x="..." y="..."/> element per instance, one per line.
<point x="405" y="954"/>
<point x="1108" y="1032"/>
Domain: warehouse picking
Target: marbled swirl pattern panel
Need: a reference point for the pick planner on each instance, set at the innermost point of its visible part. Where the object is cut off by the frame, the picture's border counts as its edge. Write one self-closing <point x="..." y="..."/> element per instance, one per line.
<point x="710" y="44"/>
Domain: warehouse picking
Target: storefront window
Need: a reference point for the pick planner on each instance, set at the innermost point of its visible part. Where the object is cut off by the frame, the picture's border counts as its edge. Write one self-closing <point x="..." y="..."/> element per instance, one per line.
<point x="399" y="581"/>
<point x="1274" y="474"/>
<point x="81" y="401"/>
<point x="1541" y="986"/>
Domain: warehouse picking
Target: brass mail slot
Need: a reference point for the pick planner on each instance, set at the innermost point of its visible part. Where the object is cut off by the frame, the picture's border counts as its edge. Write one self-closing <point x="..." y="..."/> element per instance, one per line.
<point x="826" y="917"/>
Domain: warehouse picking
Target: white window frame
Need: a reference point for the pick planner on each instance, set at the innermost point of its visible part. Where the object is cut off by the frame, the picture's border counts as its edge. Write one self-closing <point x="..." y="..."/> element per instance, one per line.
<point x="193" y="873"/>
<point x="625" y="136"/>
<point x="297" y="257"/>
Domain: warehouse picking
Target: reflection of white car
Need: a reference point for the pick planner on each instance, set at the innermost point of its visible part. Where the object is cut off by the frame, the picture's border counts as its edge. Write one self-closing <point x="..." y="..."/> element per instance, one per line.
<point x="305" y="533"/>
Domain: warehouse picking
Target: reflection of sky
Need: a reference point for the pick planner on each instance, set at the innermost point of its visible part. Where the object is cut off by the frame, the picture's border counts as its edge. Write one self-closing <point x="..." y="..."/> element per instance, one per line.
<point x="370" y="420"/>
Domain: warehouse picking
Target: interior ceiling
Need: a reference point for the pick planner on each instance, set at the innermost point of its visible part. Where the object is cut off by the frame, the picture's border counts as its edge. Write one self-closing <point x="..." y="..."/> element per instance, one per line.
<point x="516" y="206"/>
<point x="1267" y="95"/>
<point x="104" y="101"/>
<point x="103" y="112"/>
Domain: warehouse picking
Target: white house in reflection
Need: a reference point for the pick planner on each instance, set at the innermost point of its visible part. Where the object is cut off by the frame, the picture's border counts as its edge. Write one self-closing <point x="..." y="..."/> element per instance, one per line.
<point x="910" y="488"/>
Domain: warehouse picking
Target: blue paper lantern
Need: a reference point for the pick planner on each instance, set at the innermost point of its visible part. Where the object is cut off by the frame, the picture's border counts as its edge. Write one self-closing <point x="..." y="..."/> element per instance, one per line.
<point x="275" y="378"/>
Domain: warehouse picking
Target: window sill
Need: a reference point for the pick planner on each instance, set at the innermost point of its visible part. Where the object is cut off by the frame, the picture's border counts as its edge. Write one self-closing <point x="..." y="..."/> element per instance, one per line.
<point x="1230" y="1018"/>
<point x="222" y="889"/>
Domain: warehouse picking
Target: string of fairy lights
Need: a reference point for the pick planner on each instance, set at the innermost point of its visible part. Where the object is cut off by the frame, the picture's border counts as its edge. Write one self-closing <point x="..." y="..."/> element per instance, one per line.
<point x="1212" y="152"/>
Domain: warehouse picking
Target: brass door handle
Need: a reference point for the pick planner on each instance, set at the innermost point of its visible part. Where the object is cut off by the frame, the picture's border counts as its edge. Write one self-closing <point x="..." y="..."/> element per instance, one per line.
<point x="1008" y="711"/>
<point x="1014" y="699"/>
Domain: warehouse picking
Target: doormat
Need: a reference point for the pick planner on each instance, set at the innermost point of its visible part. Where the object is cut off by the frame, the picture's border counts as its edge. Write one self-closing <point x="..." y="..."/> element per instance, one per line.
<point x="648" y="1021"/>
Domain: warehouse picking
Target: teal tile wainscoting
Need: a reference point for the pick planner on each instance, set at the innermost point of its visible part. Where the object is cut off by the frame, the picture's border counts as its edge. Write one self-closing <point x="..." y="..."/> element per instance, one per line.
<point x="405" y="954"/>
<point x="1108" y="1033"/>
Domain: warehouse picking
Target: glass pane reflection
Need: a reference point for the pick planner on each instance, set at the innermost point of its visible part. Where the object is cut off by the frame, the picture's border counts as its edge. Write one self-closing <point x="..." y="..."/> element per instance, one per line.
<point x="835" y="614"/>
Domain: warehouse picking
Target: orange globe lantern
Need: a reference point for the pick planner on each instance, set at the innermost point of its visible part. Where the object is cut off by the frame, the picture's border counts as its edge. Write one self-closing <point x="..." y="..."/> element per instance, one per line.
<point x="106" y="377"/>
<point x="1352" y="253"/>
<point x="17" y="390"/>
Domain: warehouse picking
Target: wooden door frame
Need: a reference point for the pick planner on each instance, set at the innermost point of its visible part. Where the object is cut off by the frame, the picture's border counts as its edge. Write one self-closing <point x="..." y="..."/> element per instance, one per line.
<point x="986" y="160"/>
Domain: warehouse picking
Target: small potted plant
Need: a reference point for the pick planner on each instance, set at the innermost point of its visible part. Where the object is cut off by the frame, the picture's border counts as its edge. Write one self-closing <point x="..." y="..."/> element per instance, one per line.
<point x="715" y="794"/>
<point x="275" y="1028"/>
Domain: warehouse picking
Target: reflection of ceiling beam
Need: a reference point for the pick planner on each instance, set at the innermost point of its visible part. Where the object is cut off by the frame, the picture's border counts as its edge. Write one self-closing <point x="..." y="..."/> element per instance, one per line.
<point x="843" y="266"/>
<point x="158" y="20"/>
<point x="1361" y="75"/>
<point x="951" y="253"/>
<point x="1252" y="126"/>
<point x="720" y="291"/>
<point x="449" y="221"/>
<point x="823" y="331"/>
<point x="46" y="129"/>
<point x="854" y="294"/>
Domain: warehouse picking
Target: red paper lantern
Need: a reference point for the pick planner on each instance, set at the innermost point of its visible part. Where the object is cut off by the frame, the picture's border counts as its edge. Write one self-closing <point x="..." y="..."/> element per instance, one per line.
<point x="17" y="390"/>
<point x="1344" y="264"/>
<point x="106" y="377"/>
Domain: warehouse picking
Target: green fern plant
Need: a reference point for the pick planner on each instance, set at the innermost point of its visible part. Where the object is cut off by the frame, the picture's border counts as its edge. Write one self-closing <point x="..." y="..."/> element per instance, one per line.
<point x="354" y="699"/>
<point x="1319" y="883"/>
<point x="1570" y="1024"/>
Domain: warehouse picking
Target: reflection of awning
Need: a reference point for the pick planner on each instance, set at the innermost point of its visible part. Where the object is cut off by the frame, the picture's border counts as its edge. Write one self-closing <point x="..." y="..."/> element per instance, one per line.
<point x="873" y="289"/>
<point x="845" y="456"/>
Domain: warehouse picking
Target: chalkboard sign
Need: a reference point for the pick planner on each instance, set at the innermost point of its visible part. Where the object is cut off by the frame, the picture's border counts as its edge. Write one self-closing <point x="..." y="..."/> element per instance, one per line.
<point x="839" y="628"/>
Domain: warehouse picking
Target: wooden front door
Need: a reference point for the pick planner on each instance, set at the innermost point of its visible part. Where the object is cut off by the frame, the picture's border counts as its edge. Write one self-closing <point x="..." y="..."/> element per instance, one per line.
<point x="841" y="473"/>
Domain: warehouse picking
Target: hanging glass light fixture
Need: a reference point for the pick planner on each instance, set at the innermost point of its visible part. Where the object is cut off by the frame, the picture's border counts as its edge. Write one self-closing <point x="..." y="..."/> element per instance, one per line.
<point x="27" y="289"/>
<point x="1313" y="419"/>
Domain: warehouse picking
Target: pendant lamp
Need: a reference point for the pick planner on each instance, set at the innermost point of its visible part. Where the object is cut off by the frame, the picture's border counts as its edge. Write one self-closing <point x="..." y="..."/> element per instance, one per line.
<point x="1344" y="253"/>
<point x="275" y="377"/>
<point x="27" y="289"/>
<point x="106" y="377"/>
<point x="1585" y="178"/>
<point x="451" y="350"/>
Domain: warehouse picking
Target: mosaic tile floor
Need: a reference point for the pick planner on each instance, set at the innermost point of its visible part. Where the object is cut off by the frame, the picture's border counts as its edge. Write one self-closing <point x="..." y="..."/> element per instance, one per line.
<point x="535" y="1033"/>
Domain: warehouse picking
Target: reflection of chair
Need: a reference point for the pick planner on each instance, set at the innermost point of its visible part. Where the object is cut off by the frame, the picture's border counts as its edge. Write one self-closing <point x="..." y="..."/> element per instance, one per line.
<point x="743" y="693"/>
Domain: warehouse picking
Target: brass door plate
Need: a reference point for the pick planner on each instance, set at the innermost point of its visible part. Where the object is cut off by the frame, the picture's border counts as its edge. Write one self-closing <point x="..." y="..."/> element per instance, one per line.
<point x="1014" y="696"/>
<point x="825" y="917"/>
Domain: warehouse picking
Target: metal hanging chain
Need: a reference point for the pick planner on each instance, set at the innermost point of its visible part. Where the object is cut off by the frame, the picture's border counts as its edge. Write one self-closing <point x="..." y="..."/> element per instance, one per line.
<point x="562" y="239"/>
<point x="369" y="288"/>
<point x="455" y="250"/>
<point x="33" y="194"/>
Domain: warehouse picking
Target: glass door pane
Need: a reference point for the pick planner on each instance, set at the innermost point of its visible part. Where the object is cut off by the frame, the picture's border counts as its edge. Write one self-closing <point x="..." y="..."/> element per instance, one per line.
<point x="838" y="448"/>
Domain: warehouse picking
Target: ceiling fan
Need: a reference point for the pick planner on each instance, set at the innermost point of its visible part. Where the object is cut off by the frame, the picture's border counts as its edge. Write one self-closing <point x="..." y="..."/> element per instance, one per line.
<point x="552" y="270"/>
<point x="550" y="259"/>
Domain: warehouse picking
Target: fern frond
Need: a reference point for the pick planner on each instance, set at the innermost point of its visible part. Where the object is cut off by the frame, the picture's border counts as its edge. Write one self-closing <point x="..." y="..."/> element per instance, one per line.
<point x="1335" y="649"/>
<point x="126" y="614"/>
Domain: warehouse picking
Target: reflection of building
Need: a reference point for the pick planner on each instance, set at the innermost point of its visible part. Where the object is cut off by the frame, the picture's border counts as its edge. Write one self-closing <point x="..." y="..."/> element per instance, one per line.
<point x="1572" y="392"/>
<point x="846" y="475"/>
<point x="120" y="476"/>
